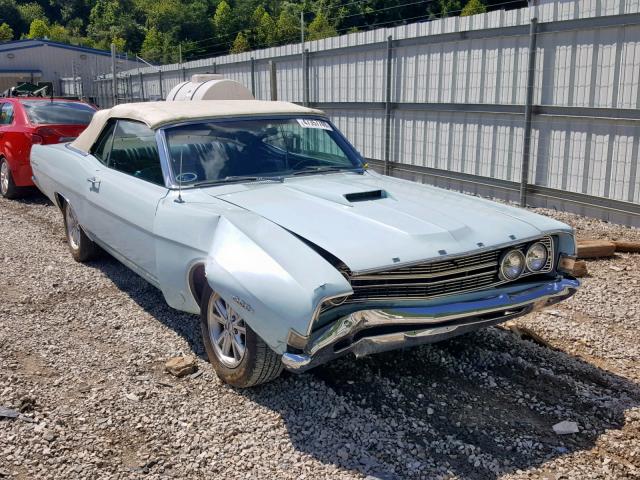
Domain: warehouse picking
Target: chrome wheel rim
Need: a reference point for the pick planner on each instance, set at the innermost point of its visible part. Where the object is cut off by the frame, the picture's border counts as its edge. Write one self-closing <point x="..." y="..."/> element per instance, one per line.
<point x="73" y="228"/>
<point x="4" y="177"/>
<point x="227" y="332"/>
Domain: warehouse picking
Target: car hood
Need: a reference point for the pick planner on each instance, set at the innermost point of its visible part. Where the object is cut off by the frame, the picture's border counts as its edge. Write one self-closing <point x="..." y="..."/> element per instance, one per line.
<point x="372" y="221"/>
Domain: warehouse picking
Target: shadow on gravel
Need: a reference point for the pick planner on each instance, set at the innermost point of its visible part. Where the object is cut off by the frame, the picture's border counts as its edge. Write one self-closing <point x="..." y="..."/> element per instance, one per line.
<point x="477" y="407"/>
<point x="33" y="196"/>
<point x="150" y="299"/>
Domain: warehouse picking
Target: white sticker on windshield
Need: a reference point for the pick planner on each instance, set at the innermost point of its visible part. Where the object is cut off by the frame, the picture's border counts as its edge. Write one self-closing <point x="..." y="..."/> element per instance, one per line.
<point x="309" y="123"/>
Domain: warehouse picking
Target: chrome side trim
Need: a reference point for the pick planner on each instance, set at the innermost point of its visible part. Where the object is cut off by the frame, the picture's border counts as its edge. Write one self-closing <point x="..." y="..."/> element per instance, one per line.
<point x="76" y="150"/>
<point x="424" y="324"/>
<point x="165" y="160"/>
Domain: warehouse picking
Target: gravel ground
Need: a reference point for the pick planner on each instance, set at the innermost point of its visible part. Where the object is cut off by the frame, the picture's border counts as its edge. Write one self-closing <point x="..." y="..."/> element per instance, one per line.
<point x="83" y="348"/>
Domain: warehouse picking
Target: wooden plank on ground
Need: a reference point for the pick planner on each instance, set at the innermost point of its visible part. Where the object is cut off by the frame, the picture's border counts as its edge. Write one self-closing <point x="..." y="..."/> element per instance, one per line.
<point x="595" y="248"/>
<point x="627" y="247"/>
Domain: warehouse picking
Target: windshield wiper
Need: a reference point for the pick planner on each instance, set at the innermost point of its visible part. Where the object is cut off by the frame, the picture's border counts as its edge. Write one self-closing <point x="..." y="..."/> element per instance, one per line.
<point x="326" y="168"/>
<point x="238" y="179"/>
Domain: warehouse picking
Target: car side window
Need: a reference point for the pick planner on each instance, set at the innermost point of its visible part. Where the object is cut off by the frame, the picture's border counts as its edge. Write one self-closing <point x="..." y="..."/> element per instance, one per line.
<point x="135" y="152"/>
<point x="102" y="147"/>
<point x="6" y="113"/>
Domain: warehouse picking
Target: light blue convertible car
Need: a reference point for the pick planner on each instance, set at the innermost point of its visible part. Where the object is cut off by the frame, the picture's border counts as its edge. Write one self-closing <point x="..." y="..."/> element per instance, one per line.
<point x="263" y="218"/>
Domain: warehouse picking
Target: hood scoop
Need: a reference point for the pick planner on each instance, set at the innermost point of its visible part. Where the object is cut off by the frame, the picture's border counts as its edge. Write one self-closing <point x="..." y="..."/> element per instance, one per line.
<point x="365" y="196"/>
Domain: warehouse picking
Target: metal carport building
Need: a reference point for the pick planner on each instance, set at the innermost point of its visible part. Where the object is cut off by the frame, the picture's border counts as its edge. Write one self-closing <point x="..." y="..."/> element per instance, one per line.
<point x="45" y="60"/>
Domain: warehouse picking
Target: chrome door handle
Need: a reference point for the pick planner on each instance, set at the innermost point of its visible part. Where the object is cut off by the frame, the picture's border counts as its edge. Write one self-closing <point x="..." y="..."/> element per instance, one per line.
<point x="94" y="182"/>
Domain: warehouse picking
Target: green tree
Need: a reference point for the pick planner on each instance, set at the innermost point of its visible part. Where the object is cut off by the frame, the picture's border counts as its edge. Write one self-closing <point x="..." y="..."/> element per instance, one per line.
<point x="58" y="33"/>
<point x="240" y="44"/>
<point x="444" y="8"/>
<point x="223" y="22"/>
<point x="320" y="27"/>
<point x="10" y="15"/>
<point x="115" y="19"/>
<point x="266" y="31"/>
<point x="65" y="10"/>
<point x="38" y="29"/>
<point x="75" y="27"/>
<point x="31" y="11"/>
<point x="6" y="32"/>
<point x="120" y="44"/>
<point x="153" y="46"/>
<point x="187" y="17"/>
<point x="256" y="16"/>
<point x="287" y="27"/>
<point x="473" y="7"/>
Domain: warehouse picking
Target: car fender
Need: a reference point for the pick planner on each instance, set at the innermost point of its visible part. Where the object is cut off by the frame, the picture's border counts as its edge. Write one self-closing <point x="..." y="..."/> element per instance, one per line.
<point x="270" y="276"/>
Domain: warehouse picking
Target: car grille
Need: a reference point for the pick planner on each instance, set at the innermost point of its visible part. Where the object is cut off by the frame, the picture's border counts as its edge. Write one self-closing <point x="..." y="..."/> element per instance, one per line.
<point x="438" y="278"/>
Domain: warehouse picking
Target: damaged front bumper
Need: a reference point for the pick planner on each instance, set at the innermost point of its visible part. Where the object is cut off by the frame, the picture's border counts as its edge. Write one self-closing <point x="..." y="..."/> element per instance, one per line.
<point x="371" y="331"/>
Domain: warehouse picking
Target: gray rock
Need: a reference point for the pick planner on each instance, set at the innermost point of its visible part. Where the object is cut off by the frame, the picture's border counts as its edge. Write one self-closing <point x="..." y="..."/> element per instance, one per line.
<point x="566" y="428"/>
<point x="8" y="413"/>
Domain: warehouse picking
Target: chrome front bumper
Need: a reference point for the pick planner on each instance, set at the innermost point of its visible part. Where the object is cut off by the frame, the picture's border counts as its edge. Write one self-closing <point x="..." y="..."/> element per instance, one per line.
<point x="371" y="331"/>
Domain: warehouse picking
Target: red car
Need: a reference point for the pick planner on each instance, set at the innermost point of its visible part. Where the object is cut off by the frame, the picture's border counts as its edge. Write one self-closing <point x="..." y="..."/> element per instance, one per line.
<point x="27" y="120"/>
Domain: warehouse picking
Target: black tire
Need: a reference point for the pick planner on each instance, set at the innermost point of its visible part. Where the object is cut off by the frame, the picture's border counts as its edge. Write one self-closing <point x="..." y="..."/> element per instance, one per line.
<point x="8" y="188"/>
<point x="259" y="364"/>
<point x="82" y="248"/>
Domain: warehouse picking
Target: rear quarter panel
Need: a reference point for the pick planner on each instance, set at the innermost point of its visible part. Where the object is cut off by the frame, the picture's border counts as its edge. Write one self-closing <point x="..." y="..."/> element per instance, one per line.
<point x="58" y="169"/>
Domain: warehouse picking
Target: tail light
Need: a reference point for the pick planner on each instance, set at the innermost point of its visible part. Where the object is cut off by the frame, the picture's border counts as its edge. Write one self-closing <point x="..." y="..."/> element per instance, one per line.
<point x="44" y="135"/>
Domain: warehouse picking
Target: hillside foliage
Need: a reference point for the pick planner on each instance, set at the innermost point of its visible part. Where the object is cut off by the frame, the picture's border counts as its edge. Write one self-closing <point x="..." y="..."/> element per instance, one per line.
<point x="158" y="30"/>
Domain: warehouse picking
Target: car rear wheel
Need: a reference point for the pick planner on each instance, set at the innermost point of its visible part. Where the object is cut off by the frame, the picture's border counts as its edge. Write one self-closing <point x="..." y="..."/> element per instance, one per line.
<point x="238" y="355"/>
<point x="82" y="247"/>
<point x="8" y="189"/>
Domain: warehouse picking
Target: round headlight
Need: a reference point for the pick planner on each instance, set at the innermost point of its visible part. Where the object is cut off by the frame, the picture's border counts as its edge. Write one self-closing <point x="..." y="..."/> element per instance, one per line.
<point x="512" y="265"/>
<point x="537" y="257"/>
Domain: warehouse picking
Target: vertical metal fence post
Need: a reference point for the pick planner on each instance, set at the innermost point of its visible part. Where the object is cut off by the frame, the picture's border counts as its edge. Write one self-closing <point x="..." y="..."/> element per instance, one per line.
<point x="526" y="148"/>
<point x="160" y="82"/>
<point x="184" y="74"/>
<point x="387" y="108"/>
<point x="114" y="80"/>
<point x="253" y="76"/>
<point x="141" y="77"/>
<point x="273" y="80"/>
<point x="130" y="88"/>
<point x="215" y="67"/>
<point x="305" y="77"/>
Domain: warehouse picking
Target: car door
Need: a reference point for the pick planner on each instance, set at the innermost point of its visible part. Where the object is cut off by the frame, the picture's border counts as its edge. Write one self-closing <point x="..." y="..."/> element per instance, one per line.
<point x="123" y="192"/>
<point x="6" y="121"/>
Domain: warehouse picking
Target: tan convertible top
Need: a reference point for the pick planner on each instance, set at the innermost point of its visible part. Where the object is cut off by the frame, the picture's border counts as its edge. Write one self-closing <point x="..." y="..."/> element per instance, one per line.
<point x="157" y="114"/>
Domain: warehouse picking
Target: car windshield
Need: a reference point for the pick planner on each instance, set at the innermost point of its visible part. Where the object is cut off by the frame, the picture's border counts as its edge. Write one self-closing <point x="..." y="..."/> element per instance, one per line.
<point x="238" y="150"/>
<point x="57" y="112"/>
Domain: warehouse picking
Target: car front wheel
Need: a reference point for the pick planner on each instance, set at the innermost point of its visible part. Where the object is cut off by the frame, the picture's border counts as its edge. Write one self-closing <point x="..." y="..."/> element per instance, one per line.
<point x="238" y="355"/>
<point x="82" y="247"/>
<point x="8" y="189"/>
